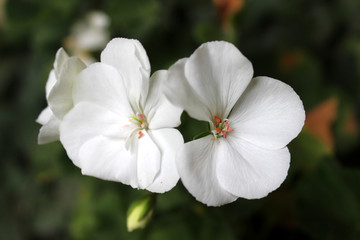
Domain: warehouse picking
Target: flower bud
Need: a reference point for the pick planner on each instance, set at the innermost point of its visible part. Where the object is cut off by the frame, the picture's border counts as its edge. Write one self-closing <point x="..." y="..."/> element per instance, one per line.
<point x="140" y="212"/>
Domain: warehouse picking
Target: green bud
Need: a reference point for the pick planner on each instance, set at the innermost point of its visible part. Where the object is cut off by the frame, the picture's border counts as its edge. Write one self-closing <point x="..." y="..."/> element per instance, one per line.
<point x="140" y="212"/>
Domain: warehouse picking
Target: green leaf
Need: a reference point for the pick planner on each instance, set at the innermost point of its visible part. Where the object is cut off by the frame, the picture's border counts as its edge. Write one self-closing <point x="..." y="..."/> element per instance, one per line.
<point x="325" y="199"/>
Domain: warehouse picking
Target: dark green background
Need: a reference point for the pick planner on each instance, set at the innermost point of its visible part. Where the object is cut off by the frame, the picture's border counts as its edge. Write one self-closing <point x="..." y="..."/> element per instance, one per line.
<point x="44" y="196"/>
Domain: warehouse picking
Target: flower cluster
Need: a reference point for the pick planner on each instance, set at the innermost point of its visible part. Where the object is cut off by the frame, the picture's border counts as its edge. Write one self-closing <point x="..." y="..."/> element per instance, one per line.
<point x="117" y="122"/>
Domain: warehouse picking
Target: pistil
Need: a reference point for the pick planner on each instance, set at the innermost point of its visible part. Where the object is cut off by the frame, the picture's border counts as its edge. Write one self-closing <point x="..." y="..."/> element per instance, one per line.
<point x="138" y="119"/>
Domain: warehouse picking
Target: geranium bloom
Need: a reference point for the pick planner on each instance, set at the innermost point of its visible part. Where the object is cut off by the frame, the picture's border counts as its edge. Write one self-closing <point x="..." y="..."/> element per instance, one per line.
<point x="58" y="95"/>
<point x="121" y="127"/>
<point x="251" y="121"/>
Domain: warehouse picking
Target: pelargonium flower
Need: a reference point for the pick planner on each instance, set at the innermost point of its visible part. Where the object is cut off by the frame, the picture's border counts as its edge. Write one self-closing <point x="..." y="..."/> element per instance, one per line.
<point x="58" y="95"/>
<point x="251" y="122"/>
<point x="121" y="127"/>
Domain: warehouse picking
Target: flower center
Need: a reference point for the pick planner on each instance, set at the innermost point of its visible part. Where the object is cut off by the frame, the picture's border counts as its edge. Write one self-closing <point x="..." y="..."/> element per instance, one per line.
<point x="139" y="119"/>
<point x="221" y="127"/>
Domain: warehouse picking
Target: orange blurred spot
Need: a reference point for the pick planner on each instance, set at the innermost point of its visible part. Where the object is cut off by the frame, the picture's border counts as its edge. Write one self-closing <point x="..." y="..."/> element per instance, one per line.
<point x="351" y="124"/>
<point x="290" y="59"/>
<point x="319" y="121"/>
<point x="227" y="8"/>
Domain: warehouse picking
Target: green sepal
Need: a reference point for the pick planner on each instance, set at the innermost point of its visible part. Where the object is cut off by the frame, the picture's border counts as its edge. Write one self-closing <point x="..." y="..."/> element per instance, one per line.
<point x="200" y="135"/>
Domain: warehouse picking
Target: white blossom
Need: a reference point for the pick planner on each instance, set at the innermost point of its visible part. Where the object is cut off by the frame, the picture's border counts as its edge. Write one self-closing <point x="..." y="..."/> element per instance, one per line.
<point x="122" y="126"/>
<point x="251" y="122"/>
<point x="58" y="95"/>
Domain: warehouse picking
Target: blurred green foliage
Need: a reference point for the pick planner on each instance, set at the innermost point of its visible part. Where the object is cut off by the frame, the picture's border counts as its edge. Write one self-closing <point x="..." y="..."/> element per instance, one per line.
<point x="312" y="45"/>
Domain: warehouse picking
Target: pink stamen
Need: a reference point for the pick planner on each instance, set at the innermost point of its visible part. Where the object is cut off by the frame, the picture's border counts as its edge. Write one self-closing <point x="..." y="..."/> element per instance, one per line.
<point x="221" y="128"/>
<point x="218" y="120"/>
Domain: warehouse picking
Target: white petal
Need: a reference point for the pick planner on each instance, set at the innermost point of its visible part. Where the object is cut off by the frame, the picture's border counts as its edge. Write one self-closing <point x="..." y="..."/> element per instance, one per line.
<point x="219" y="74"/>
<point x="269" y="114"/>
<point x="159" y="111"/>
<point x="60" y="59"/>
<point x="248" y="171"/>
<point x="101" y="84"/>
<point x="86" y="121"/>
<point x="106" y="158"/>
<point x="44" y="116"/>
<point x="60" y="97"/>
<point x="129" y="57"/>
<point x="179" y="92"/>
<point x="49" y="132"/>
<point x="50" y="83"/>
<point x="148" y="159"/>
<point x="169" y="141"/>
<point x="197" y="168"/>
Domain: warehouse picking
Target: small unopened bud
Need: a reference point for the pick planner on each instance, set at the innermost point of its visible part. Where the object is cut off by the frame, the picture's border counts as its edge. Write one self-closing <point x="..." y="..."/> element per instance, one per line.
<point x="140" y="212"/>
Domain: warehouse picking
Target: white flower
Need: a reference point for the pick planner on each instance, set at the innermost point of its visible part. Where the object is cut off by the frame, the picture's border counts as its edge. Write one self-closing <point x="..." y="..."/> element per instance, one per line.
<point x="251" y="123"/>
<point x="121" y="127"/>
<point x="58" y="95"/>
<point x="92" y="33"/>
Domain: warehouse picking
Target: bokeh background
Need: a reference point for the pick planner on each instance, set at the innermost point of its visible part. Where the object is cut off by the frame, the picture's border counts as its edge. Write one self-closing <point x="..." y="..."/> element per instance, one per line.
<point x="313" y="45"/>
